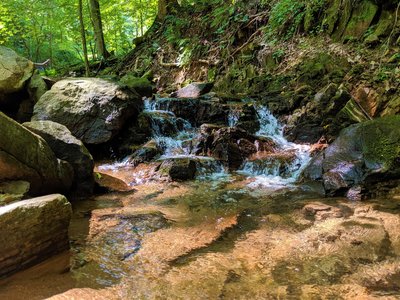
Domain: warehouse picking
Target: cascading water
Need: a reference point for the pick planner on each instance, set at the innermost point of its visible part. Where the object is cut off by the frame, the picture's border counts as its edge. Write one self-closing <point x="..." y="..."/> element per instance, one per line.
<point x="180" y="144"/>
<point x="234" y="115"/>
<point x="173" y="145"/>
<point x="281" y="168"/>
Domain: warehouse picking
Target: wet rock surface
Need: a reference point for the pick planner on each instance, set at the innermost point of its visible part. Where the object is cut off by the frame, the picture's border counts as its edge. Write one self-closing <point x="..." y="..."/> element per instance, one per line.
<point x="361" y="155"/>
<point x="230" y="145"/>
<point x="179" y="169"/>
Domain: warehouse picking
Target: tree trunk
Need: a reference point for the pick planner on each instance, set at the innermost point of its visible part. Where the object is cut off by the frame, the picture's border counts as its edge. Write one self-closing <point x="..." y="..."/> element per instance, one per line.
<point x="83" y="36"/>
<point x="98" y="28"/>
<point x="164" y="8"/>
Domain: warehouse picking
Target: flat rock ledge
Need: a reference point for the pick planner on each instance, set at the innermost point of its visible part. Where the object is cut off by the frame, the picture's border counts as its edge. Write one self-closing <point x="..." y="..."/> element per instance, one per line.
<point x="33" y="230"/>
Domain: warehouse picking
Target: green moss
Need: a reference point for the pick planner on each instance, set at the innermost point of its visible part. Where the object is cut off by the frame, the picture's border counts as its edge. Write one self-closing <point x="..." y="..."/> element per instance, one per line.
<point x="353" y="112"/>
<point x="332" y="16"/>
<point x="139" y="84"/>
<point x="382" y="142"/>
<point x="362" y="17"/>
<point x="344" y="17"/>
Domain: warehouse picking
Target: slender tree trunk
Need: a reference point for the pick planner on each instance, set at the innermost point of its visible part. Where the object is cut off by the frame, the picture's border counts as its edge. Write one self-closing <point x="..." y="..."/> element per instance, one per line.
<point x="98" y="28"/>
<point x="83" y="36"/>
<point x="51" y="40"/>
<point x="164" y="8"/>
<point x="141" y="17"/>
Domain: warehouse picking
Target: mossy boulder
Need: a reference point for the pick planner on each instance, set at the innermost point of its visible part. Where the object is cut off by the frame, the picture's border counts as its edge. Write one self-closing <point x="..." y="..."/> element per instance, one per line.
<point x="323" y="66"/>
<point x="353" y="112"/>
<point x="363" y="154"/>
<point x="382" y="29"/>
<point x="141" y="85"/>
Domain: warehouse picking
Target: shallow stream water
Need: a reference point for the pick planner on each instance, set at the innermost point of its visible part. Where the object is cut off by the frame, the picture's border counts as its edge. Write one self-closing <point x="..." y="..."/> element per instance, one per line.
<point x="251" y="234"/>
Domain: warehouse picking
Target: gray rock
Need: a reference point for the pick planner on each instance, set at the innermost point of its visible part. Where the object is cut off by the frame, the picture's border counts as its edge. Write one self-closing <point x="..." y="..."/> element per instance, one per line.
<point x="363" y="154"/>
<point x="93" y="109"/>
<point x="26" y="156"/>
<point x="15" y="71"/>
<point x="179" y="169"/>
<point x="33" y="230"/>
<point x="36" y="87"/>
<point x="68" y="148"/>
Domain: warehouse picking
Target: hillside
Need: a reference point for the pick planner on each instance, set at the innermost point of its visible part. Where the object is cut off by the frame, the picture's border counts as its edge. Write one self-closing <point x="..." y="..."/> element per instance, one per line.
<point x="286" y="53"/>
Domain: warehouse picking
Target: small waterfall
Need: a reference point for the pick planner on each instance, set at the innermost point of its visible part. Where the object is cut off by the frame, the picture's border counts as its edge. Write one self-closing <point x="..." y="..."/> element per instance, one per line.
<point x="172" y="134"/>
<point x="283" y="167"/>
<point x="234" y="115"/>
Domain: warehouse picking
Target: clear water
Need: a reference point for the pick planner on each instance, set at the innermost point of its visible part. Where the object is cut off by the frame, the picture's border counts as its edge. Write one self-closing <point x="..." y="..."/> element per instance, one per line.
<point x="251" y="235"/>
<point x="270" y="171"/>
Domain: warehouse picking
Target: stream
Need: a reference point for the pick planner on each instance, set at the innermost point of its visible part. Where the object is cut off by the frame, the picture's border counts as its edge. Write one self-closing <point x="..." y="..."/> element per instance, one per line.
<point x="250" y="233"/>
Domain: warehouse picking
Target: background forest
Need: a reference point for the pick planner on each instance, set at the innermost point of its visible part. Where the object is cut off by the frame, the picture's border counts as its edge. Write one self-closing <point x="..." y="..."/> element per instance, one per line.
<point x="42" y="29"/>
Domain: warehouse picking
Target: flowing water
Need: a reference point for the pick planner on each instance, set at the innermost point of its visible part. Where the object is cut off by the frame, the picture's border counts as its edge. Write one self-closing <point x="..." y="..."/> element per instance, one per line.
<point x="276" y="170"/>
<point x="250" y="234"/>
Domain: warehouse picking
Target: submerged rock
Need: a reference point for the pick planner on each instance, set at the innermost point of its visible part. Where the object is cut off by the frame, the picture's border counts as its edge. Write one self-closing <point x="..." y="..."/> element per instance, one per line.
<point x="196" y="110"/>
<point x="363" y="154"/>
<point x="26" y="156"/>
<point x="93" y="109"/>
<point x="33" y="230"/>
<point x="68" y="148"/>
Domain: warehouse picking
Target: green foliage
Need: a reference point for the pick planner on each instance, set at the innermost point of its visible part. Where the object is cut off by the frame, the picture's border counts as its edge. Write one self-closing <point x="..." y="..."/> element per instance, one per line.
<point x="41" y="29"/>
<point x="286" y="16"/>
<point x="278" y="55"/>
<point x="290" y="16"/>
<point x="175" y="29"/>
<point x="383" y="75"/>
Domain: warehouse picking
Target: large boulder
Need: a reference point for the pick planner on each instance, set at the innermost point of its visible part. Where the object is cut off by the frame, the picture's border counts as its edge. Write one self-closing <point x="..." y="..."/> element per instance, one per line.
<point x="33" y="230"/>
<point x="196" y="110"/>
<point x="363" y="154"/>
<point x="93" y="109"/>
<point x="68" y="148"/>
<point x="15" y="71"/>
<point x="26" y="156"/>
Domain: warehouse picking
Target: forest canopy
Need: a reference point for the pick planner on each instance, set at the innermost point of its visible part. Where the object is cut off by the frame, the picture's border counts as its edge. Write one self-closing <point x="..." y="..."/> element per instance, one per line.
<point x="43" y="29"/>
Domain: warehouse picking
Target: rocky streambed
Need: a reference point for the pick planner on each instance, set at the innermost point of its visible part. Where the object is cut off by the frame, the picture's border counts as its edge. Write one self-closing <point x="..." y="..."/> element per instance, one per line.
<point x="222" y="239"/>
<point x="195" y="196"/>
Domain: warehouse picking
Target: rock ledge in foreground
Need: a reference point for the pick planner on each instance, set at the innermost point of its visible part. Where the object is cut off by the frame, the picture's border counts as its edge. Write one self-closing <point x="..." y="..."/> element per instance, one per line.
<point x="33" y="230"/>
